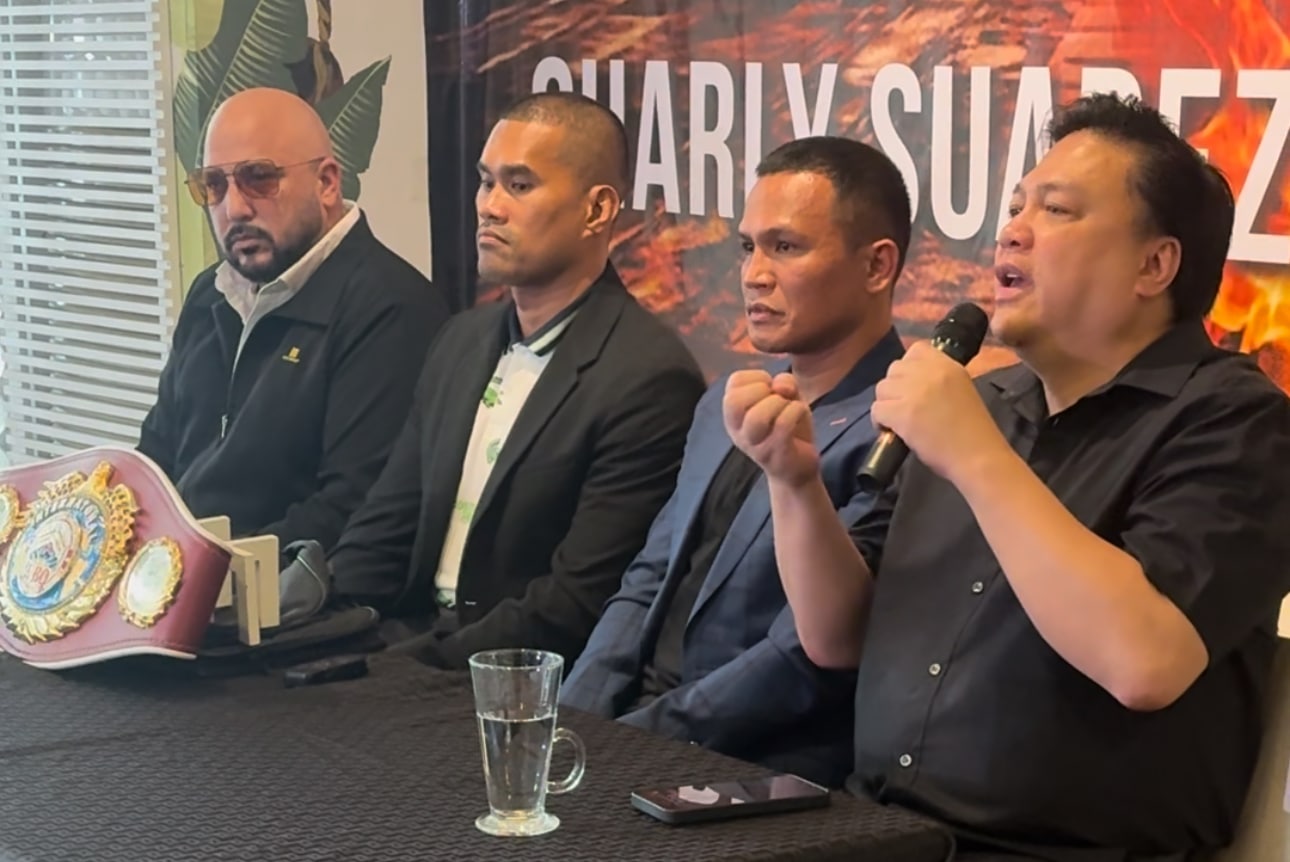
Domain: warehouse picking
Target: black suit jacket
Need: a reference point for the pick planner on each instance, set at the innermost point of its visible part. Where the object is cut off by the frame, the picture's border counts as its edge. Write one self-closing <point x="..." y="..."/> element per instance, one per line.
<point x="291" y="439"/>
<point x="592" y="457"/>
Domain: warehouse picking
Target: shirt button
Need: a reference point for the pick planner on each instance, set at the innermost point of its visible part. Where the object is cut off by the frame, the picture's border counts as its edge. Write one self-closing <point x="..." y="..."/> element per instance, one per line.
<point x="978" y="587"/>
<point x="935" y="669"/>
<point x="906" y="761"/>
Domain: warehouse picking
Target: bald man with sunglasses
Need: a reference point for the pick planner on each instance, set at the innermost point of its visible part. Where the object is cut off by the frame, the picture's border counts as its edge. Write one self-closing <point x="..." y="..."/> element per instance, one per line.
<point x="295" y="357"/>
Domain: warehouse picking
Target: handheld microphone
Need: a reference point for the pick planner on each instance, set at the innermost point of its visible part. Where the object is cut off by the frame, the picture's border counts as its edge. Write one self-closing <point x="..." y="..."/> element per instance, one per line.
<point x="958" y="336"/>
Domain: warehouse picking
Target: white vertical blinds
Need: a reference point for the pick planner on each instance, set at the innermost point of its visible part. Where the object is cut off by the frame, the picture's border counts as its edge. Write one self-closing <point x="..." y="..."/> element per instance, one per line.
<point x="85" y="271"/>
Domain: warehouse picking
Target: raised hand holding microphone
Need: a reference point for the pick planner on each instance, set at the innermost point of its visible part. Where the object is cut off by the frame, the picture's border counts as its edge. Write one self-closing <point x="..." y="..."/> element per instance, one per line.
<point x="928" y="404"/>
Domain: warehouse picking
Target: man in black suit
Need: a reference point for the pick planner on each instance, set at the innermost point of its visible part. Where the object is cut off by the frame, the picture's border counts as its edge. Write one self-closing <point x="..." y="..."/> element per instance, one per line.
<point x="294" y="359"/>
<point x="547" y="430"/>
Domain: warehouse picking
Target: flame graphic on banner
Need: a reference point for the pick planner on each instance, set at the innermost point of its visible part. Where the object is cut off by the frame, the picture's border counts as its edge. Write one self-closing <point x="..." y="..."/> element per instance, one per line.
<point x="685" y="266"/>
<point x="1252" y="303"/>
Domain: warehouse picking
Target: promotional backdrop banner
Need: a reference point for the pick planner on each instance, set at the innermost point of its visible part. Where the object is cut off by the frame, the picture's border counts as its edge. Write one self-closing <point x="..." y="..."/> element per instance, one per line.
<point x="957" y="94"/>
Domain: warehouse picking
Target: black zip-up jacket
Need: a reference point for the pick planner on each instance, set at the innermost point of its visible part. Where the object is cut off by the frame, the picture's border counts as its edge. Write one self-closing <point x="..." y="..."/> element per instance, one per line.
<point x="289" y="441"/>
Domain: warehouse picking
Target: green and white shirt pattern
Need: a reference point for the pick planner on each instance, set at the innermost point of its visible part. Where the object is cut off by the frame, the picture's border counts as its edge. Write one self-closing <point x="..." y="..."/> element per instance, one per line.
<point x="518" y="371"/>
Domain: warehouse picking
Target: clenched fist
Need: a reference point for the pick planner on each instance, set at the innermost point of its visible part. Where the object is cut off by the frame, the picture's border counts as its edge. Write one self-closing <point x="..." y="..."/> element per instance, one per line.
<point x="768" y="420"/>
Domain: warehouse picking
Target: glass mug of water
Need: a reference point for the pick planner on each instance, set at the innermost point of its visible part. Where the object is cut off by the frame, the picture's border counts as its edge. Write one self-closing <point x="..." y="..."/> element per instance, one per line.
<point x="515" y="705"/>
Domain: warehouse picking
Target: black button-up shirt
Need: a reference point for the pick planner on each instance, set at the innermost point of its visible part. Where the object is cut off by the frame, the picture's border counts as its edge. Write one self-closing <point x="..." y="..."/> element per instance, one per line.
<point x="965" y="712"/>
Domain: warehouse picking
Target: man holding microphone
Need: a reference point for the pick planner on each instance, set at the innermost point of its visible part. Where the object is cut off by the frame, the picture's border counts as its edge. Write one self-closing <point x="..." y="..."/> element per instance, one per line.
<point x="1066" y="601"/>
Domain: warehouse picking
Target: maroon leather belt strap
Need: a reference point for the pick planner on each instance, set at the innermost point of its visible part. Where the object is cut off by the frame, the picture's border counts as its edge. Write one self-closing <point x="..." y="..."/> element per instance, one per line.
<point x="99" y="558"/>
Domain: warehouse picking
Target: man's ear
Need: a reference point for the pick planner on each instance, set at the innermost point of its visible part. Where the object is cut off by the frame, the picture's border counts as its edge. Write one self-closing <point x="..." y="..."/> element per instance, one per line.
<point x="1160" y="262"/>
<point x="330" y="182"/>
<point x="884" y="259"/>
<point x="603" y="205"/>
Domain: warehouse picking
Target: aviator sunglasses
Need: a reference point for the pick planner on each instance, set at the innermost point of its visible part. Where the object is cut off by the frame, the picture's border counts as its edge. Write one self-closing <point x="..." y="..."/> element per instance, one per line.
<point x="257" y="178"/>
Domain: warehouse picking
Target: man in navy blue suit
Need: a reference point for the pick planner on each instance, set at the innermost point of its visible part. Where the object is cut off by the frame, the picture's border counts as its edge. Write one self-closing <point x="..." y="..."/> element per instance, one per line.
<point x="699" y="643"/>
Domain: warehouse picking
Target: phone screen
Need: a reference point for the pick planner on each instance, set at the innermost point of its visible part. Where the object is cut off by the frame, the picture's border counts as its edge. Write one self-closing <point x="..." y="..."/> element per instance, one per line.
<point x="725" y="793"/>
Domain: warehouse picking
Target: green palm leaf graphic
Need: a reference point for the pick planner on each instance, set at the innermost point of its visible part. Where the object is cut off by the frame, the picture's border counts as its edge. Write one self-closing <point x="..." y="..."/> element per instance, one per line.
<point x="255" y="41"/>
<point x="353" y="118"/>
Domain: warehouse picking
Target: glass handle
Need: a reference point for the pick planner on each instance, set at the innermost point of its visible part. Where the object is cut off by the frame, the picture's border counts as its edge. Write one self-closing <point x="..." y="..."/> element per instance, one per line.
<point x="563" y="734"/>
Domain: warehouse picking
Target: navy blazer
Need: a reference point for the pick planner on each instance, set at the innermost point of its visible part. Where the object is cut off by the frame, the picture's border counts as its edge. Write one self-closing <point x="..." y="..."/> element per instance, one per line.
<point x="747" y="688"/>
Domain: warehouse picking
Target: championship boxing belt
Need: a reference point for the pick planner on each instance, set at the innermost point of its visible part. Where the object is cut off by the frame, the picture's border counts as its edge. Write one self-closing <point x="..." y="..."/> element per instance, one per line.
<point x="99" y="559"/>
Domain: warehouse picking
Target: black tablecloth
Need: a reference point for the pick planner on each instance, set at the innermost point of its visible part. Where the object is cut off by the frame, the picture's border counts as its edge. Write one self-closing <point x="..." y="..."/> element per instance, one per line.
<point x="138" y="762"/>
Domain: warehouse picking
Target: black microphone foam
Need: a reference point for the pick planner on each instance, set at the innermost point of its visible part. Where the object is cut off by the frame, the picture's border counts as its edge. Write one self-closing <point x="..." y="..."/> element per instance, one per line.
<point x="958" y="336"/>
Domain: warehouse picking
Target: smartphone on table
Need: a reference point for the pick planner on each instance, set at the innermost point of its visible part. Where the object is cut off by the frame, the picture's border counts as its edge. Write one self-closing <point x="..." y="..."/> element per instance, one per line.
<point x="723" y="800"/>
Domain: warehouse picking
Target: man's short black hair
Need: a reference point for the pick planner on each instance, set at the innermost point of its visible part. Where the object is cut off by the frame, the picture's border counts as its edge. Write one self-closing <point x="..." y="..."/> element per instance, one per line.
<point x="1183" y="196"/>
<point x="597" y="145"/>
<point x="871" y="199"/>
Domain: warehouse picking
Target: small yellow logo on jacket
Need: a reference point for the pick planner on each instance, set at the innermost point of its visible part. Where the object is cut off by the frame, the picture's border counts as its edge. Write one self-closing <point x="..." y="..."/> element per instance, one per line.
<point x="292" y="355"/>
